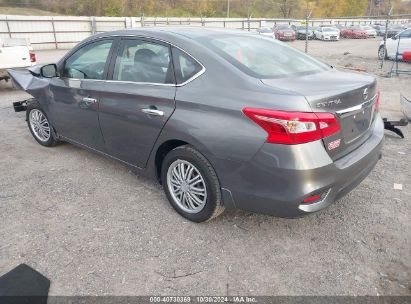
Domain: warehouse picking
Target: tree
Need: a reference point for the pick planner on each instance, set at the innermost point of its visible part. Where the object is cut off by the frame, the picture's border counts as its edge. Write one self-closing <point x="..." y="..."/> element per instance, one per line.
<point x="354" y="7"/>
<point x="328" y="8"/>
<point x="287" y="7"/>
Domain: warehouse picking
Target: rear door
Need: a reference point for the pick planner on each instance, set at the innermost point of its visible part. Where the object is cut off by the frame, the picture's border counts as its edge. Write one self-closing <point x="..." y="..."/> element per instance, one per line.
<point x="137" y="100"/>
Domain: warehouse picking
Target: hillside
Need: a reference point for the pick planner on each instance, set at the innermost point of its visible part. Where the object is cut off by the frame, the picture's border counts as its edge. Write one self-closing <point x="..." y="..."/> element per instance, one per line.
<point x="24" y="11"/>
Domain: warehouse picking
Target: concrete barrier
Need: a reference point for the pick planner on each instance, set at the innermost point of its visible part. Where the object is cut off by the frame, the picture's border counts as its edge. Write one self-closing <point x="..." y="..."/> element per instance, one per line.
<point x="63" y="32"/>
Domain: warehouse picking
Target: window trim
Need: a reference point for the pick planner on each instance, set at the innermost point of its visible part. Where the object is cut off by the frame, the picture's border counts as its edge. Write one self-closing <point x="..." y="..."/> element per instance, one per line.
<point x="152" y="39"/>
<point x="106" y="67"/>
<point x="113" y="61"/>
<point x="174" y="58"/>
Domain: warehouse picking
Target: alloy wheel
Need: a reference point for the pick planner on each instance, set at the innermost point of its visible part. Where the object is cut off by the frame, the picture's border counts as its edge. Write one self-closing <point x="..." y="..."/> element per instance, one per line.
<point x="39" y="125"/>
<point x="186" y="186"/>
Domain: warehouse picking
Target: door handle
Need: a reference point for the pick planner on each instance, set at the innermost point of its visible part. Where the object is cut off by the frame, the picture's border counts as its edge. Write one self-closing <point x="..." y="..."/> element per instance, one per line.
<point x="89" y="100"/>
<point x="153" y="112"/>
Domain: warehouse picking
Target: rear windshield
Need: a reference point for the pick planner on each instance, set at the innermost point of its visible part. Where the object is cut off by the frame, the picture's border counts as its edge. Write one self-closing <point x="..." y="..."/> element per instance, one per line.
<point x="284" y="27"/>
<point x="262" y="58"/>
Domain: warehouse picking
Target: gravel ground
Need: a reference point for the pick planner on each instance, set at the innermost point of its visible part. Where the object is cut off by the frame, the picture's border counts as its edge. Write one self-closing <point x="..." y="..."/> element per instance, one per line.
<point x="95" y="228"/>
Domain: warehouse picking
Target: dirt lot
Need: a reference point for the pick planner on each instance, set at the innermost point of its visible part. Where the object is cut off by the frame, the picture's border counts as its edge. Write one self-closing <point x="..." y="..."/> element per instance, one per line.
<point x="94" y="228"/>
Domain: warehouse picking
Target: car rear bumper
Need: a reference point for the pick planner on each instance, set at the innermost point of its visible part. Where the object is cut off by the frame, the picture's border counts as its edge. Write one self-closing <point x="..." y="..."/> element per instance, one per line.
<point x="332" y="38"/>
<point x="279" y="177"/>
<point x="286" y="38"/>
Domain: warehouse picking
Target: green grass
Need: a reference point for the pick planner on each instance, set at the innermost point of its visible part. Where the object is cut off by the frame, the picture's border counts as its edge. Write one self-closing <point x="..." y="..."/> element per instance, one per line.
<point x="24" y="11"/>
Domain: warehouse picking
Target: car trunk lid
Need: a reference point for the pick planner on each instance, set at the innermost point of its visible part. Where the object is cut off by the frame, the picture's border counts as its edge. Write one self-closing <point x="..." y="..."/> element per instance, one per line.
<point x="349" y="96"/>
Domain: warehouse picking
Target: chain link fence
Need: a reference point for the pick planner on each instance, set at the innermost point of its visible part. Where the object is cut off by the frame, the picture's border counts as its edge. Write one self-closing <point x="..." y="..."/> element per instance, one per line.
<point x="395" y="52"/>
<point x="46" y="32"/>
<point x="393" y="32"/>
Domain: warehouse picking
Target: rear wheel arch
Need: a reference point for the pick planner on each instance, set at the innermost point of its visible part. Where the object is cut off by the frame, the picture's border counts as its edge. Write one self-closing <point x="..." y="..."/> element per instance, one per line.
<point x="177" y="187"/>
<point x="162" y="151"/>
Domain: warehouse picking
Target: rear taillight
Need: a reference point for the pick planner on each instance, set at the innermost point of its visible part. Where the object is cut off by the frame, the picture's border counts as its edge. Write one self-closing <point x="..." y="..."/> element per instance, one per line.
<point x="377" y="101"/>
<point x="292" y="128"/>
<point x="32" y="56"/>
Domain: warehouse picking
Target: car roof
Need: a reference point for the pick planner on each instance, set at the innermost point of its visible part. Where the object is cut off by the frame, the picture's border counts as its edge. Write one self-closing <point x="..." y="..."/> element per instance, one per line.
<point x="187" y="32"/>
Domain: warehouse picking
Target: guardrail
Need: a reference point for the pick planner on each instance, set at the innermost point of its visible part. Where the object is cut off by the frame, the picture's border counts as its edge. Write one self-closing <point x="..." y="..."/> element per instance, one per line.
<point x="63" y="32"/>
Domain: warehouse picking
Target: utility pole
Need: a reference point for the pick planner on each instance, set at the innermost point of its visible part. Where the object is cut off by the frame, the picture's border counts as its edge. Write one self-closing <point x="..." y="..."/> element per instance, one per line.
<point x="390" y="7"/>
<point x="228" y="8"/>
<point x="307" y="17"/>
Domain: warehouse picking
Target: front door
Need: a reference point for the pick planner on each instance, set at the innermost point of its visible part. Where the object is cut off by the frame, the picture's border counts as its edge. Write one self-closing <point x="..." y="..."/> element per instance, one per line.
<point x="138" y="99"/>
<point x="76" y="93"/>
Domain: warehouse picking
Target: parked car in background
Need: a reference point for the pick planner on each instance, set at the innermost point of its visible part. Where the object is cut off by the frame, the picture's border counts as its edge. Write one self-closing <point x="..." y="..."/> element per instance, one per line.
<point x="330" y="25"/>
<point x="371" y="32"/>
<point x="354" y="32"/>
<point x="301" y="31"/>
<point x="401" y="41"/>
<point x="340" y="27"/>
<point x="284" y="33"/>
<point x="394" y="30"/>
<point x="285" y="135"/>
<point x="327" y="33"/>
<point x="15" y="53"/>
<point x="380" y="29"/>
<point x="266" y="31"/>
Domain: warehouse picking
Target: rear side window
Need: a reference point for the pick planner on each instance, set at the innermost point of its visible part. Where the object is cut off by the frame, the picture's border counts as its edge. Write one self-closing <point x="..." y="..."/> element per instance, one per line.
<point x="143" y="61"/>
<point x="185" y="66"/>
<point x="262" y="58"/>
<point x="88" y="62"/>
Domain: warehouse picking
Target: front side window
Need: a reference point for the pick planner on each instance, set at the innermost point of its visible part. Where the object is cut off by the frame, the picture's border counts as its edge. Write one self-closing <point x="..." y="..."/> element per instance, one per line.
<point x="262" y="58"/>
<point x="143" y="61"/>
<point x="185" y="66"/>
<point x="406" y="34"/>
<point x="89" y="62"/>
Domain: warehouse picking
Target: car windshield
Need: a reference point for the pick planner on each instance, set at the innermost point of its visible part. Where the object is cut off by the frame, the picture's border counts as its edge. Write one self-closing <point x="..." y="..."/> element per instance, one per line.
<point x="299" y="28"/>
<point x="265" y="30"/>
<point x="262" y="58"/>
<point x="329" y="29"/>
<point x="284" y="27"/>
<point x="367" y="28"/>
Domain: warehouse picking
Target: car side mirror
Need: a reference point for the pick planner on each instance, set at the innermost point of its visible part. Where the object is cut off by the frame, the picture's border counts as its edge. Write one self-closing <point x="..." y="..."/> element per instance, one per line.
<point x="49" y="71"/>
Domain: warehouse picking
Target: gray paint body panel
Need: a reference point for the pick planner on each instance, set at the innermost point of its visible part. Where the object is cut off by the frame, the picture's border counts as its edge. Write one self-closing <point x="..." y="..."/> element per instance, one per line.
<point x="207" y="113"/>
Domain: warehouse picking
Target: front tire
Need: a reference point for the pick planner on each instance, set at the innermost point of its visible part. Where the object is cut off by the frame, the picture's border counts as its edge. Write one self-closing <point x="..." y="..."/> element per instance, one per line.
<point x="39" y="125"/>
<point x="382" y="54"/>
<point x="191" y="184"/>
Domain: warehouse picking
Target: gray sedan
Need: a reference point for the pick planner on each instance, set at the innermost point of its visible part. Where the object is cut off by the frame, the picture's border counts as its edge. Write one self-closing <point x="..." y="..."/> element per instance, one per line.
<point x="222" y="119"/>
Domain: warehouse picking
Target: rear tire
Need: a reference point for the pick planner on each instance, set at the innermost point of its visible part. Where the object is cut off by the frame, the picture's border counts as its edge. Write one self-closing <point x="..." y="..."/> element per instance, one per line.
<point x="39" y="125"/>
<point x="191" y="184"/>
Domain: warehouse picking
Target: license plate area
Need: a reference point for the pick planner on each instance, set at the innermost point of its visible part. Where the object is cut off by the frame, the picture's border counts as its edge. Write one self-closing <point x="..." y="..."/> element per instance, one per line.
<point x="356" y="124"/>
